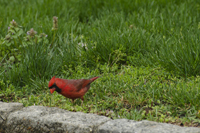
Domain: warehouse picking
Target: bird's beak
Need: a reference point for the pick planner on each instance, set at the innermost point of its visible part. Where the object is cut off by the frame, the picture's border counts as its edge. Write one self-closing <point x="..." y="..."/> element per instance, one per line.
<point x="52" y="90"/>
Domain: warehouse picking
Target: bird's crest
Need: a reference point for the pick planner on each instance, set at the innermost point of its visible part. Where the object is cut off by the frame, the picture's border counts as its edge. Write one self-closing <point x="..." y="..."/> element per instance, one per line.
<point x="52" y="81"/>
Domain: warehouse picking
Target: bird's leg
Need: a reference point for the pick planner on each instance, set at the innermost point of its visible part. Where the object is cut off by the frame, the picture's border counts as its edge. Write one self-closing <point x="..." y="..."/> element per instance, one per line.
<point x="73" y="101"/>
<point x="73" y="104"/>
<point x="82" y="101"/>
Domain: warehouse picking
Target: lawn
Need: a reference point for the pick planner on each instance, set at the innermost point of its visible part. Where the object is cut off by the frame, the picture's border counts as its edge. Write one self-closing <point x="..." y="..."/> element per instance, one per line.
<point x="146" y="52"/>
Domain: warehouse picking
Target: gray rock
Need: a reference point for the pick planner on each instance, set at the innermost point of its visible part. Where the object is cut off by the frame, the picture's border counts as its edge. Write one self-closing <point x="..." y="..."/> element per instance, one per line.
<point x="45" y="119"/>
<point x="130" y="126"/>
<point x="16" y="118"/>
<point x="5" y="110"/>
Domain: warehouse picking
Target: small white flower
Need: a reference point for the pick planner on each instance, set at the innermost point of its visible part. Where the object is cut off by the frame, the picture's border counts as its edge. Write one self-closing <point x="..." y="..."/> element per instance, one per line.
<point x="83" y="45"/>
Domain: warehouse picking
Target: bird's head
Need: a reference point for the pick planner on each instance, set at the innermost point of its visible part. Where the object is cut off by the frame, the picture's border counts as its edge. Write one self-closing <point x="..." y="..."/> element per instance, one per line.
<point x="52" y="85"/>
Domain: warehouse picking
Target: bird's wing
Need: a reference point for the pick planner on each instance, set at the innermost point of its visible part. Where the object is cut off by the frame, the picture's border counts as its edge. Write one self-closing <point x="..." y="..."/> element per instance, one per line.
<point x="78" y="84"/>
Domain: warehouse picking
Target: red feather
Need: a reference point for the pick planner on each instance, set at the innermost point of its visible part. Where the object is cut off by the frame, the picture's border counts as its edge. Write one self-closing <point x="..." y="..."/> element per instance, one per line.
<point x="72" y="88"/>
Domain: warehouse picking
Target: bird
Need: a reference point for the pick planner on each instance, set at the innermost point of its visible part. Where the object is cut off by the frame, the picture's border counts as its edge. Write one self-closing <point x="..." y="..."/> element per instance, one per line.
<point x="71" y="88"/>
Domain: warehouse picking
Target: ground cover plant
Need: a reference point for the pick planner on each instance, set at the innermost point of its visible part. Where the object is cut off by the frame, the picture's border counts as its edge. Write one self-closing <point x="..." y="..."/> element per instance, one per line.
<point x="146" y="52"/>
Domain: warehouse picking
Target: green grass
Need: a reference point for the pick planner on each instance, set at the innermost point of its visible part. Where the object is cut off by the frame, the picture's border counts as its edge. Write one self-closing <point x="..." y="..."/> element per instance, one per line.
<point x="146" y="52"/>
<point x="133" y="93"/>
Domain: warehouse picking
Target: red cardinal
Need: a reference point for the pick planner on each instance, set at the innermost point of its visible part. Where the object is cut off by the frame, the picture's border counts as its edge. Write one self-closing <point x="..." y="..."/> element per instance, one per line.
<point x="73" y="88"/>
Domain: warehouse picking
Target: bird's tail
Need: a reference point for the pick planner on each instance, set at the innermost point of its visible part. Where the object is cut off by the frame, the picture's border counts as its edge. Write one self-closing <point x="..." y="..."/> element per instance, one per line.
<point x="94" y="78"/>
